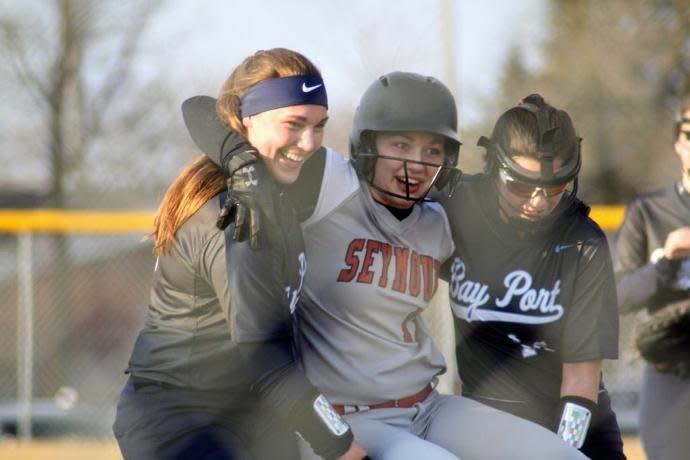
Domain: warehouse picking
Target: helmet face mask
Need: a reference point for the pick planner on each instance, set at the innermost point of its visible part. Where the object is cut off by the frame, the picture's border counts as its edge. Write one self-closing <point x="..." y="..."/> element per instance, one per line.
<point x="546" y="176"/>
<point x="405" y="102"/>
<point x="522" y="176"/>
<point x="542" y="178"/>
<point x="371" y="179"/>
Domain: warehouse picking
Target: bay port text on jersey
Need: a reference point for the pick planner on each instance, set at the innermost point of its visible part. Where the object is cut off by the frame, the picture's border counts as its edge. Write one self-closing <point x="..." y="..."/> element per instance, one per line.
<point x="533" y="305"/>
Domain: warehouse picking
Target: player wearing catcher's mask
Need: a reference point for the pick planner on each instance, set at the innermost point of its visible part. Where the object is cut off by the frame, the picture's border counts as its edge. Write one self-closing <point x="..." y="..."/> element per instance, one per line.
<point x="653" y="272"/>
<point x="531" y="283"/>
<point x="213" y="373"/>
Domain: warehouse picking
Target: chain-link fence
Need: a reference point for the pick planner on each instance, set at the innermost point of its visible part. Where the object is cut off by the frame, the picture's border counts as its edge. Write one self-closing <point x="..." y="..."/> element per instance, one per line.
<point x="73" y="305"/>
<point x="87" y="294"/>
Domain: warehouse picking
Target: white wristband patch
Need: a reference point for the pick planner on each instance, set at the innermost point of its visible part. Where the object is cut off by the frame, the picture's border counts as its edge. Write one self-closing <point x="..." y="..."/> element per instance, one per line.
<point x="574" y="424"/>
<point x="329" y="416"/>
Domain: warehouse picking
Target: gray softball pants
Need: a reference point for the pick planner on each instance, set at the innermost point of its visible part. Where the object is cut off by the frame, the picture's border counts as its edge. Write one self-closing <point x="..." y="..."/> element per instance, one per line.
<point x="452" y="427"/>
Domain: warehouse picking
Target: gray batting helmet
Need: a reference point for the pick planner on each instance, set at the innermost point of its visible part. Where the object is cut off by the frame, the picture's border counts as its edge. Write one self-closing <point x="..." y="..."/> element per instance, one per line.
<point x="404" y="101"/>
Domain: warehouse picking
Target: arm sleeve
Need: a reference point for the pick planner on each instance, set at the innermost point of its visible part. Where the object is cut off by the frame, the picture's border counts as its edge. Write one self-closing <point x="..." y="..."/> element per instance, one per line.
<point x="213" y="270"/>
<point x="304" y="193"/>
<point x="637" y="279"/>
<point x="591" y="324"/>
<point x="281" y="385"/>
<point x="270" y="364"/>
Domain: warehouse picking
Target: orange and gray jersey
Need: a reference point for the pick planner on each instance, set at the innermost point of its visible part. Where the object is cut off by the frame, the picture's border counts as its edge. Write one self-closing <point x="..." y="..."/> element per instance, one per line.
<point x="369" y="277"/>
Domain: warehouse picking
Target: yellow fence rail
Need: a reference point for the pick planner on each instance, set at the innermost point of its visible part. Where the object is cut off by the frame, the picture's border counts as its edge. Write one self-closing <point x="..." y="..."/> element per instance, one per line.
<point x="609" y="217"/>
<point x="74" y="221"/>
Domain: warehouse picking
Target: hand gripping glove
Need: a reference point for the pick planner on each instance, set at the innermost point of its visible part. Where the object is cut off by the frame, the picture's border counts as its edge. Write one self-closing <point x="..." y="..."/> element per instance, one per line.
<point x="249" y="184"/>
<point x="663" y="339"/>
<point x="240" y="205"/>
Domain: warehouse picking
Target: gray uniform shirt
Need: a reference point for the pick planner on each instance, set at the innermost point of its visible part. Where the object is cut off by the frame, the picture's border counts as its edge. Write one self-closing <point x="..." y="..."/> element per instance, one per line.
<point x="369" y="277"/>
<point x="190" y="332"/>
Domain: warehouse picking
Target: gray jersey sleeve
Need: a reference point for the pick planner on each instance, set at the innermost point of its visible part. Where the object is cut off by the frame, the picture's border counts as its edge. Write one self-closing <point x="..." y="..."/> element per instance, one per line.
<point x="591" y="329"/>
<point x="639" y="280"/>
<point x="212" y="269"/>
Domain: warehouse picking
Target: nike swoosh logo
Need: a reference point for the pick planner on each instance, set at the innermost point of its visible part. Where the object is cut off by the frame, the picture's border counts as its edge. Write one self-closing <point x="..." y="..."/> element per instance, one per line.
<point x="309" y="89"/>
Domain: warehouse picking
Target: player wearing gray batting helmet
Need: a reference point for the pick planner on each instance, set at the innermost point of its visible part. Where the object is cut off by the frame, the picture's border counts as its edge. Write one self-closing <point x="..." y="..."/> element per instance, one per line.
<point x="375" y="247"/>
<point x="399" y="102"/>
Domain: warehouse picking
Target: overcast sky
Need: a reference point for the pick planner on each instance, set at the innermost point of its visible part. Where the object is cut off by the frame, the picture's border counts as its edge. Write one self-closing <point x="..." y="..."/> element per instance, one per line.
<point x="352" y="41"/>
<point x="191" y="47"/>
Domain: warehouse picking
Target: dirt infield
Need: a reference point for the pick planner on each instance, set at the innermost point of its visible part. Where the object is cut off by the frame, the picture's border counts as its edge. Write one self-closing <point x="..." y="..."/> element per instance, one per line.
<point x="59" y="450"/>
<point x="107" y="450"/>
<point x="633" y="448"/>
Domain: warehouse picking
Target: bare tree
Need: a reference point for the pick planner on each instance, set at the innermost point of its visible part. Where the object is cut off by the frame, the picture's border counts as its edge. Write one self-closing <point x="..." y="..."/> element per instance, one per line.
<point x="73" y="68"/>
<point x="70" y="66"/>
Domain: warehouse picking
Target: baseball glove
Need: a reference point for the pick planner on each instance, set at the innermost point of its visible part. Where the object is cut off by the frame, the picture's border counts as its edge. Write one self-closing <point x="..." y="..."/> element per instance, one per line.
<point x="664" y="339"/>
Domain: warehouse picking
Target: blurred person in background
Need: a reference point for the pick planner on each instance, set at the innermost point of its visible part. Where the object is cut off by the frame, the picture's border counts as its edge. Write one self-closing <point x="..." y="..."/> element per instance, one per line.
<point x="531" y="283"/>
<point x="653" y="273"/>
<point x="375" y="246"/>
<point x="213" y="373"/>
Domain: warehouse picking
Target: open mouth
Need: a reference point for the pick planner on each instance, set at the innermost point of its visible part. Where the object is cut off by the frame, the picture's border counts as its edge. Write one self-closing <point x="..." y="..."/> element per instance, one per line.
<point x="408" y="185"/>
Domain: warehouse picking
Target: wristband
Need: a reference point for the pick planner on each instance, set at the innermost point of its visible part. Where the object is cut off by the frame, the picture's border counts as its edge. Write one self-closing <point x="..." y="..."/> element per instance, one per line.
<point x="315" y="420"/>
<point x="333" y="421"/>
<point x="575" y="416"/>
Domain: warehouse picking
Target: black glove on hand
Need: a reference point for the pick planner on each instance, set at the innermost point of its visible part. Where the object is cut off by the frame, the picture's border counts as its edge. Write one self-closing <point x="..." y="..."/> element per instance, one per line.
<point x="241" y="205"/>
<point x="249" y="184"/>
<point x="663" y="339"/>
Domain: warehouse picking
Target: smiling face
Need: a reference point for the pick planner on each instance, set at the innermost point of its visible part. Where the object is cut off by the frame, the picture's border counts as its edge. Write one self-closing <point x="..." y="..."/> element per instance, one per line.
<point x="286" y="137"/>
<point x="524" y="201"/>
<point x="390" y="174"/>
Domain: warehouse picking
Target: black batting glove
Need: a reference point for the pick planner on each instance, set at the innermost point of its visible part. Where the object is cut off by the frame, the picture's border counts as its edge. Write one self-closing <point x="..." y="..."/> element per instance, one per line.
<point x="252" y="196"/>
<point x="250" y="188"/>
<point x="241" y="205"/>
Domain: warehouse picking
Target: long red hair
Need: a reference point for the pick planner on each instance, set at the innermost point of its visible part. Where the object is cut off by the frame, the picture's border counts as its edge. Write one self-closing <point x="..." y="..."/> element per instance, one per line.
<point x="198" y="182"/>
<point x="203" y="179"/>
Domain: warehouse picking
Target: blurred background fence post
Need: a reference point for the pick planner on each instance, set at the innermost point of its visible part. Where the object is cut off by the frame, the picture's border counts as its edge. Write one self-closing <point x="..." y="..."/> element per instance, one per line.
<point x="25" y="333"/>
<point x="67" y="370"/>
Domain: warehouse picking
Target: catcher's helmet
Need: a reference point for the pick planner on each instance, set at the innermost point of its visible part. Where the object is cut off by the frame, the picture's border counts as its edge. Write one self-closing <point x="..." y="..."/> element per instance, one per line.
<point x="554" y="137"/>
<point x="404" y="101"/>
<point x="546" y="153"/>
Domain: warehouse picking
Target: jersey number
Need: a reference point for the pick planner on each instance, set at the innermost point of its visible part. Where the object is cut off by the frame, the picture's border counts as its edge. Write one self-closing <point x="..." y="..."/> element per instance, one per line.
<point x="408" y="336"/>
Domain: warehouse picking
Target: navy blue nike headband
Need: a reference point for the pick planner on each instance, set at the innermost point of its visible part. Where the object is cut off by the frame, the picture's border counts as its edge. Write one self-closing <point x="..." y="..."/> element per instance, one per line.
<point x="283" y="92"/>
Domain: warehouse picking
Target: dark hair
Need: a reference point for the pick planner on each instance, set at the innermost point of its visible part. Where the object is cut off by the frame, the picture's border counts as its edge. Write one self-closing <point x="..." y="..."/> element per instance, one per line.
<point x="198" y="182"/>
<point x="517" y="132"/>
